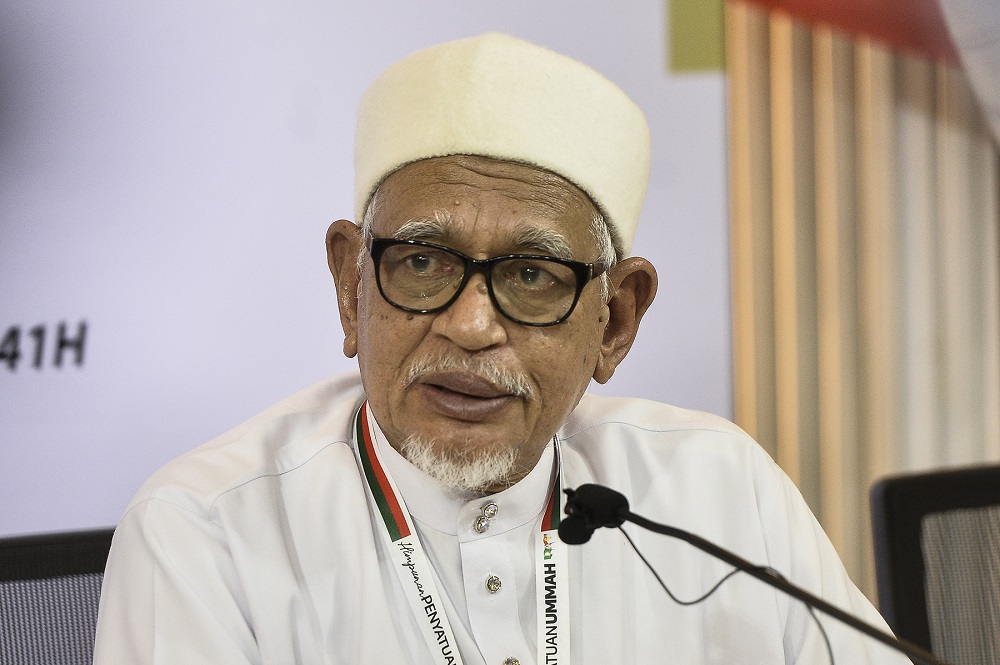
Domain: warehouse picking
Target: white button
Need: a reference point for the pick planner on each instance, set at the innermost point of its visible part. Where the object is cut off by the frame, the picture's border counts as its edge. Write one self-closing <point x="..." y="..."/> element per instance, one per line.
<point x="493" y="584"/>
<point x="481" y="524"/>
<point x="490" y="510"/>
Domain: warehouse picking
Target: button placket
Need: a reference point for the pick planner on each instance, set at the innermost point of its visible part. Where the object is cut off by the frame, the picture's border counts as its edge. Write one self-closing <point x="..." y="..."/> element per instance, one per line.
<point x="490" y="578"/>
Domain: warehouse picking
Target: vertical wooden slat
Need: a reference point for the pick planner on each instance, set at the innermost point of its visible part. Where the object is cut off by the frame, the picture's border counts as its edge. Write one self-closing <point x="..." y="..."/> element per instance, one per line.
<point x="962" y="432"/>
<point x="983" y="359"/>
<point x="741" y="214"/>
<point x="990" y="235"/>
<point x="793" y="237"/>
<point x="763" y="275"/>
<point x="750" y="214"/>
<point x="841" y="491"/>
<point x="876" y="217"/>
<point x="783" y="179"/>
<point x="878" y="275"/>
<point x="920" y="418"/>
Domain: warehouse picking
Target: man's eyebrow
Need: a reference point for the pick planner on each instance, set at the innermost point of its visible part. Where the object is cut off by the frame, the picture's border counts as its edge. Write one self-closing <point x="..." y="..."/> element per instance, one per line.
<point x="529" y="239"/>
<point x="545" y="241"/>
<point x="425" y="228"/>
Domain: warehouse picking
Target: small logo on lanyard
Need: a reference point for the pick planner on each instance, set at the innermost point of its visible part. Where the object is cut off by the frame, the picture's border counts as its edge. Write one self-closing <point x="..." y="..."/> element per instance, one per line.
<point x="547" y="546"/>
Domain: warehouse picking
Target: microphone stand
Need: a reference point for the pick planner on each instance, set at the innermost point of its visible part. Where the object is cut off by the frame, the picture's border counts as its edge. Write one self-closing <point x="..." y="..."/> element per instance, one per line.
<point x="615" y="512"/>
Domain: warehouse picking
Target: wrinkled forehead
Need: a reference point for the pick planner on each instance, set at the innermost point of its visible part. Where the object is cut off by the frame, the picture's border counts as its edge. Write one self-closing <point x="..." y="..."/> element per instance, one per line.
<point x="462" y="194"/>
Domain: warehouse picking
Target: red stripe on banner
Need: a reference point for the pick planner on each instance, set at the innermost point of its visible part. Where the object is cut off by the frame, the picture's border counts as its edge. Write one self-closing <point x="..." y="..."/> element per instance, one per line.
<point x="383" y="481"/>
<point x="909" y="25"/>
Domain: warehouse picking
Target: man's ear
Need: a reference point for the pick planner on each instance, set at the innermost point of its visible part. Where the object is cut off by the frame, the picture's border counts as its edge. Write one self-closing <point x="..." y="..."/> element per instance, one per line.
<point x="343" y="243"/>
<point x="632" y="289"/>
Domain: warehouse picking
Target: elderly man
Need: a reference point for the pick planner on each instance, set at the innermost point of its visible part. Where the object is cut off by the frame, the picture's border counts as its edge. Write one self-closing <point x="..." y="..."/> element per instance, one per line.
<point x="408" y="515"/>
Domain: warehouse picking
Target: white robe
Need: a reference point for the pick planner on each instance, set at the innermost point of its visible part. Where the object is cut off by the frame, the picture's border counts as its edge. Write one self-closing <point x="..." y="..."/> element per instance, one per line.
<point x="260" y="547"/>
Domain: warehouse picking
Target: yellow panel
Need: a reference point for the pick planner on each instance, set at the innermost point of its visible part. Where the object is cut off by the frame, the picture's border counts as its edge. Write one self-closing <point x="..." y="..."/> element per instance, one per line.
<point x="696" y="37"/>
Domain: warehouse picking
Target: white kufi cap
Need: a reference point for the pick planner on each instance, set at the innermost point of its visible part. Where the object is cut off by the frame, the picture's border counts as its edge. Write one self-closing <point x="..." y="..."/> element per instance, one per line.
<point x="497" y="96"/>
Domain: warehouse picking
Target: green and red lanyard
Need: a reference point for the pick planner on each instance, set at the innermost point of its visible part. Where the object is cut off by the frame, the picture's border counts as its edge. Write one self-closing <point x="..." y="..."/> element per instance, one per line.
<point x="417" y="577"/>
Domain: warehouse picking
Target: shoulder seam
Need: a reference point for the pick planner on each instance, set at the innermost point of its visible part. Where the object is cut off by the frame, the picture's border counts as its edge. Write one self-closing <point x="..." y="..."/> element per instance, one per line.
<point x="231" y="488"/>
<point x="661" y="430"/>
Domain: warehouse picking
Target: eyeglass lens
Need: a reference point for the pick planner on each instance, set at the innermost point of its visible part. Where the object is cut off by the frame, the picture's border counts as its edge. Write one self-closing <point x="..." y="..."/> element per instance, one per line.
<point x="533" y="290"/>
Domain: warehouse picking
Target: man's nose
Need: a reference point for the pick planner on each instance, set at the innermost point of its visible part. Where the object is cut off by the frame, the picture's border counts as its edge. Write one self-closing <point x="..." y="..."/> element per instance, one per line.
<point x="472" y="321"/>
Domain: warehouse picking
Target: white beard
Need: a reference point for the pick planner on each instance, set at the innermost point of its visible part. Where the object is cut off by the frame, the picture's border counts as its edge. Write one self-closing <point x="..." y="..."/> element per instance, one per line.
<point x="474" y="471"/>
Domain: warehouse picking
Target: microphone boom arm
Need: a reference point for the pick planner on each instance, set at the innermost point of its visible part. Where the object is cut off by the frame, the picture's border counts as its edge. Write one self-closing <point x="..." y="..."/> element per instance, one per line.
<point x="768" y="577"/>
<point x="591" y="506"/>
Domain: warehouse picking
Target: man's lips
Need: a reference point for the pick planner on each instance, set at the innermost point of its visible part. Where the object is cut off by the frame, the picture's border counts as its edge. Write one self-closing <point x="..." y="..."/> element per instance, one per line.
<point x="462" y="383"/>
<point x="463" y="396"/>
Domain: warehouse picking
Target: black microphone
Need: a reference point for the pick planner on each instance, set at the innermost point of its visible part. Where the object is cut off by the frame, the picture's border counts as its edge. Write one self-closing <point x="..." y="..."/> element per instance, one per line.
<point x="590" y="507"/>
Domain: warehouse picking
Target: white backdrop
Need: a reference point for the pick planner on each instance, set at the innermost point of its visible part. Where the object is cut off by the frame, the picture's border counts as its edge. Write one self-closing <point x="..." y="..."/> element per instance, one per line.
<point x="167" y="174"/>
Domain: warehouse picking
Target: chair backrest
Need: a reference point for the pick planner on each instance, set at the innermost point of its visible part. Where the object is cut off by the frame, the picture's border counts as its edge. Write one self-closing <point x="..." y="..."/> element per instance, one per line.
<point x="937" y="560"/>
<point x="50" y="586"/>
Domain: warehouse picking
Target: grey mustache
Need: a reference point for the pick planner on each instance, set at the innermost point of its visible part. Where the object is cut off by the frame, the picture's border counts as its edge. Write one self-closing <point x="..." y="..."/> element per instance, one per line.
<point x="514" y="383"/>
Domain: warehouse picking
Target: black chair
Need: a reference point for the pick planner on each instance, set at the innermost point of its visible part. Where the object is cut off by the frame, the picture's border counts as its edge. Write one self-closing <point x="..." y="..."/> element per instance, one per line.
<point x="50" y="586"/>
<point x="937" y="560"/>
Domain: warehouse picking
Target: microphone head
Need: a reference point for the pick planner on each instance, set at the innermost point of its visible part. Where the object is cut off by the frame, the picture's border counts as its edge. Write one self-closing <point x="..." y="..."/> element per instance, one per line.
<point x="573" y="530"/>
<point x="599" y="505"/>
<point x="588" y="508"/>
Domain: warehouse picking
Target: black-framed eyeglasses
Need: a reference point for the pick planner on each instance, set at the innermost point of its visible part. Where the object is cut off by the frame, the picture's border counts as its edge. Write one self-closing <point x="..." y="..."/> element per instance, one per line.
<point x="530" y="289"/>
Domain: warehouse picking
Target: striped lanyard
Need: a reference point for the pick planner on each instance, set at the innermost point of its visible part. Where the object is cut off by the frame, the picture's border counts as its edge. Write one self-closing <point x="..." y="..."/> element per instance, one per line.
<point x="416" y="577"/>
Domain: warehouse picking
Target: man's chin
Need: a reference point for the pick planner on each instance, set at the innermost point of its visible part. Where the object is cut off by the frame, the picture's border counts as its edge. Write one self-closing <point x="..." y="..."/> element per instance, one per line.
<point x="470" y="470"/>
